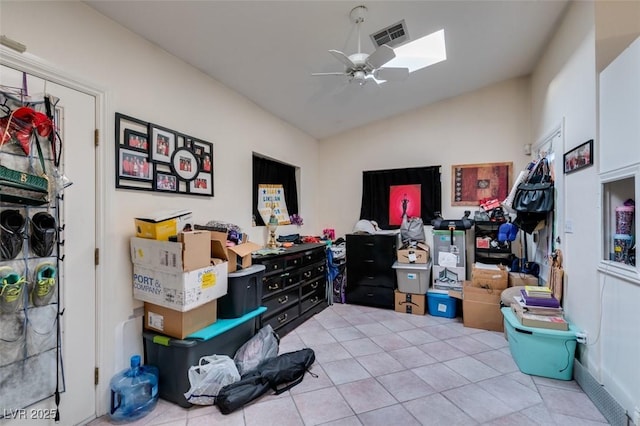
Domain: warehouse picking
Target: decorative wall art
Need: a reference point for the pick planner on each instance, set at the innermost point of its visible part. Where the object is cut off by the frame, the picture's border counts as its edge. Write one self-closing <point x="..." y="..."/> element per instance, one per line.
<point x="403" y="199"/>
<point x="153" y="158"/>
<point x="473" y="182"/>
<point x="579" y="157"/>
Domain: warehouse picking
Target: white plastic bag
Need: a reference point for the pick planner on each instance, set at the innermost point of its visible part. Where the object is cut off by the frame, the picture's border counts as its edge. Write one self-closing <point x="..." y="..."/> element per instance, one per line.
<point x="262" y="346"/>
<point x="212" y="373"/>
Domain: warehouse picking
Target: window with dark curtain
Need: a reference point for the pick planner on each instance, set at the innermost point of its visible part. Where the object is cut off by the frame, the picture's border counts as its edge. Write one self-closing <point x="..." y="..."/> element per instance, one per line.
<point x="272" y="172"/>
<point x="376" y="187"/>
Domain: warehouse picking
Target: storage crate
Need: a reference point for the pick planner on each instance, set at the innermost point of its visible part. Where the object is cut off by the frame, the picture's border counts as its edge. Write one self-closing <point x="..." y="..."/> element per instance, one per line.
<point x="441" y="304"/>
<point x="539" y="351"/>
<point x="413" y="277"/>
<point x="244" y="292"/>
<point x="173" y="357"/>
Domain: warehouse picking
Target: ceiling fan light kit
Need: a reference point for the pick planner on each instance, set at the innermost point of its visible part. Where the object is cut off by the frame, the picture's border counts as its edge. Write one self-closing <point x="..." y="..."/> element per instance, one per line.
<point x="361" y="67"/>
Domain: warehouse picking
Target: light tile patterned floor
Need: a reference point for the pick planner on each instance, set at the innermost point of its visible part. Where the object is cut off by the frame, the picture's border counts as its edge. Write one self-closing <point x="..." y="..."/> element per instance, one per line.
<point x="379" y="367"/>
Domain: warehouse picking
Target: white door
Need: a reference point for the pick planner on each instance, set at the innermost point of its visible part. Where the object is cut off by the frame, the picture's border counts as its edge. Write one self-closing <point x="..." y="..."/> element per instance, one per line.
<point x="77" y="270"/>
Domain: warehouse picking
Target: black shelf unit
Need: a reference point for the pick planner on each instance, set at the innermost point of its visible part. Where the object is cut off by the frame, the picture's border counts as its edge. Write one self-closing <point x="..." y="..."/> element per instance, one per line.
<point x="498" y="252"/>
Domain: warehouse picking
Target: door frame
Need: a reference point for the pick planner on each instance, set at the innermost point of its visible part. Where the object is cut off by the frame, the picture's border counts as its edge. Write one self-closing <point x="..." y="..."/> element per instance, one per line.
<point x="40" y="68"/>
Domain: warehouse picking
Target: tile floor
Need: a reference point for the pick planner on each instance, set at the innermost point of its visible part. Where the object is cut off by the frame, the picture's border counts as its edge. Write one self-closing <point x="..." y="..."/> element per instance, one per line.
<point x="379" y="367"/>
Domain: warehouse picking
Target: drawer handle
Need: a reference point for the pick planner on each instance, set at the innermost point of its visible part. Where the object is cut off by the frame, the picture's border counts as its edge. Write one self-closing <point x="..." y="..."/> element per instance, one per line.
<point x="273" y="287"/>
<point x="369" y="260"/>
<point x="321" y="268"/>
<point x="369" y="244"/>
<point x="307" y="274"/>
<point x="275" y="266"/>
<point x="283" y="299"/>
<point x="315" y="299"/>
<point x="314" y="285"/>
<point x="282" y="318"/>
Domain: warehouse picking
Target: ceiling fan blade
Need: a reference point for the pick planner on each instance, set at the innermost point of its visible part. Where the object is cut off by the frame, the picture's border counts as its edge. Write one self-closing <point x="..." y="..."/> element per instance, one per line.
<point x="381" y="56"/>
<point x="391" y="74"/>
<point x="342" y="58"/>
<point x="329" y="73"/>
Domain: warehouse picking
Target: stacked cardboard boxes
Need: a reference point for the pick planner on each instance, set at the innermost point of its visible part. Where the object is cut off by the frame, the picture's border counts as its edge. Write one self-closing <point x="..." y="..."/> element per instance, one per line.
<point x="481" y="297"/>
<point x="413" y="273"/>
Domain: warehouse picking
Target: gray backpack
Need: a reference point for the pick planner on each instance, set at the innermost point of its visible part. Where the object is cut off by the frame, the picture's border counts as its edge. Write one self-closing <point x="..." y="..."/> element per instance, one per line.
<point x="412" y="229"/>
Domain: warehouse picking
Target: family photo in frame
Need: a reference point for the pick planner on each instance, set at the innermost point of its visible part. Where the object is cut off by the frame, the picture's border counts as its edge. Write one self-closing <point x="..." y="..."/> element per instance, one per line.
<point x="579" y="157"/>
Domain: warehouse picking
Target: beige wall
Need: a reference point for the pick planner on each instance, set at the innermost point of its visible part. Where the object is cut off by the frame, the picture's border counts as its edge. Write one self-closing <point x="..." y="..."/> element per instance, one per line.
<point x="488" y="125"/>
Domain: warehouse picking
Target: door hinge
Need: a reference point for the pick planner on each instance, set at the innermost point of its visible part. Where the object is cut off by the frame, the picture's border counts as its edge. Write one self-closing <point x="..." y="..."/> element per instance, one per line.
<point x="96" y="376"/>
<point x="96" y="137"/>
<point x="97" y="256"/>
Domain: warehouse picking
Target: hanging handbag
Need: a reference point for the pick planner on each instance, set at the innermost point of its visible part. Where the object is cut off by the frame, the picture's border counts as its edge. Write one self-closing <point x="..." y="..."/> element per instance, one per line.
<point x="17" y="186"/>
<point x="537" y="193"/>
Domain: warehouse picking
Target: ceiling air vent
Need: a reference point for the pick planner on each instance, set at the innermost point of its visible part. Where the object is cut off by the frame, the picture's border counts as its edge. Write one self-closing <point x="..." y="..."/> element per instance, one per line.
<point x="392" y="36"/>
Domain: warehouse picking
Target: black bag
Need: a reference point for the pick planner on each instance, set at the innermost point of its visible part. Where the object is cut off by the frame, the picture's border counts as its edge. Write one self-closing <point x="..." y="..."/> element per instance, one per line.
<point x="537" y="193"/>
<point x="280" y="374"/>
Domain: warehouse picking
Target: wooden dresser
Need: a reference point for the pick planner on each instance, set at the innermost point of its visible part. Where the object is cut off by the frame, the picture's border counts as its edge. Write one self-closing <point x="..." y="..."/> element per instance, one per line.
<point x="294" y="286"/>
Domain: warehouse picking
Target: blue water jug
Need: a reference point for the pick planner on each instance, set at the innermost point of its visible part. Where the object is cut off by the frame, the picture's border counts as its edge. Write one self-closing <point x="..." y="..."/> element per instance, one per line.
<point x="134" y="392"/>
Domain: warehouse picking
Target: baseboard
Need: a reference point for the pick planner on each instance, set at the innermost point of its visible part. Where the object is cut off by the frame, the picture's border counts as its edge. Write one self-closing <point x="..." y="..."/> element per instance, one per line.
<point x="608" y="406"/>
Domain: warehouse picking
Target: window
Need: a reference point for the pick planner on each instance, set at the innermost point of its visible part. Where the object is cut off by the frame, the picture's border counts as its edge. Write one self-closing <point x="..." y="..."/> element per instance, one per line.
<point x="266" y="171"/>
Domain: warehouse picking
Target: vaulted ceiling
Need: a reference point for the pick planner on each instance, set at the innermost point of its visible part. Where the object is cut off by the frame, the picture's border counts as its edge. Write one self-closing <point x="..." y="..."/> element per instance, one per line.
<point x="267" y="50"/>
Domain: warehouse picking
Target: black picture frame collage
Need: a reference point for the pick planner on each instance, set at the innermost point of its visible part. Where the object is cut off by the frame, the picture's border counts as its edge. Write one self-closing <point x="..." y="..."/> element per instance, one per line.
<point x="150" y="157"/>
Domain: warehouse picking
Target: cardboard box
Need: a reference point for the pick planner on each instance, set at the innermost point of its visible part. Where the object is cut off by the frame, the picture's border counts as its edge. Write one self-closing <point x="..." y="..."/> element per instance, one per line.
<point x="179" y="324"/>
<point x="164" y="224"/>
<point x="180" y="291"/>
<point x="495" y="277"/>
<point x="237" y="257"/>
<point x="480" y="307"/>
<point x="410" y="303"/>
<point x="191" y="253"/>
<point x="420" y="254"/>
<point x="448" y="278"/>
<point x="519" y="279"/>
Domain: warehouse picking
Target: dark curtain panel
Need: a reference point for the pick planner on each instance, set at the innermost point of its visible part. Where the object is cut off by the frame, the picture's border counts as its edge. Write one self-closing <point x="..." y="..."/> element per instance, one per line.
<point x="274" y="173"/>
<point x="375" y="192"/>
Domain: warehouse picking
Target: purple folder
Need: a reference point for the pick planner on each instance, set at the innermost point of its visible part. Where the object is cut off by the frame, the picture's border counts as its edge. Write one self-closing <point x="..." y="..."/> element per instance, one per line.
<point x="547" y="302"/>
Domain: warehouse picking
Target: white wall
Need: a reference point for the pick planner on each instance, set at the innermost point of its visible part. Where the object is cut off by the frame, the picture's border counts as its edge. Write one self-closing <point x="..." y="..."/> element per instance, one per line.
<point x="488" y="125"/>
<point x="564" y="86"/>
<point x="147" y="83"/>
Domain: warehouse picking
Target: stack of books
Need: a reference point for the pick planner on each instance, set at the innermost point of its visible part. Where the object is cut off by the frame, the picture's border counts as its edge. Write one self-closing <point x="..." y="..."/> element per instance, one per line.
<point x="537" y="307"/>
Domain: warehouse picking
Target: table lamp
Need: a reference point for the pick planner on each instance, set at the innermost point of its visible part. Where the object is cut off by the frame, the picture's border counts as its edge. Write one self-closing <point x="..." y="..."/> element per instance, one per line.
<point x="272" y="225"/>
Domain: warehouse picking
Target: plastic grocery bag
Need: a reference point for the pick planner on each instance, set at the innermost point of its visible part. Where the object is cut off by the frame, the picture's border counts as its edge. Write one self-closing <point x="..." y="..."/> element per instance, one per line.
<point x="212" y="373"/>
<point x="262" y="346"/>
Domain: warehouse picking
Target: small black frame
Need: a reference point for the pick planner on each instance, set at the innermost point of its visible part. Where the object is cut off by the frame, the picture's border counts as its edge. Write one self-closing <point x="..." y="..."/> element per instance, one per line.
<point x="579" y="157"/>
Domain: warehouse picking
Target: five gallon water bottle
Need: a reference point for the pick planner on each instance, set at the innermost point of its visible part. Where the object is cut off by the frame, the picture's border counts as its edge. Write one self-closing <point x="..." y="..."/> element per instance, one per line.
<point x="134" y="392"/>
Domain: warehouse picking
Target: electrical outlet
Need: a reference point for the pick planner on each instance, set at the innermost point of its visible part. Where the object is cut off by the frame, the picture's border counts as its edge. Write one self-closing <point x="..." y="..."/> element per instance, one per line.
<point x="581" y="337"/>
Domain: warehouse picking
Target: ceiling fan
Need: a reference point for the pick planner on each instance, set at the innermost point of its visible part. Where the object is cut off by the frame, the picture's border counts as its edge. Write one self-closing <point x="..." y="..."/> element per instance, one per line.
<point x="361" y="67"/>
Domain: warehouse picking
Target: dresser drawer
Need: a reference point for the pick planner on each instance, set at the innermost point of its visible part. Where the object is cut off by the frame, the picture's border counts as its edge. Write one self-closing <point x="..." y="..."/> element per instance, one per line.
<point x="281" y="318"/>
<point x="294" y="261"/>
<point x="312" y="300"/>
<point x="382" y="297"/>
<point x="273" y="265"/>
<point x="356" y="277"/>
<point x="273" y="284"/>
<point x="281" y="300"/>
<point x="318" y="284"/>
<point x="313" y="256"/>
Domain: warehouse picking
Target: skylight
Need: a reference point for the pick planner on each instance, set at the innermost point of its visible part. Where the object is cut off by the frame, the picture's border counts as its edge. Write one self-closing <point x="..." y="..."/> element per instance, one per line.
<point x="420" y="53"/>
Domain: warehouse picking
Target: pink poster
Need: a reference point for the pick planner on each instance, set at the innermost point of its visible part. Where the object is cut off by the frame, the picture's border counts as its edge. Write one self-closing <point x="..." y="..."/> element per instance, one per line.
<point x="403" y="199"/>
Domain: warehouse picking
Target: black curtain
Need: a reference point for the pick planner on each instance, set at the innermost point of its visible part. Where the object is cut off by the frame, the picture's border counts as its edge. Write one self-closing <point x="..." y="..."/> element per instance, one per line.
<point x="274" y="173"/>
<point x="375" y="192"/>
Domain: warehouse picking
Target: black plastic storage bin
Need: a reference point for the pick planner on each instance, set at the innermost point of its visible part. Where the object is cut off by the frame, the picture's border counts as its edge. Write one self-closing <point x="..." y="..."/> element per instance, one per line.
<point x="173" y="357"/>
<point x="244" y="292"/>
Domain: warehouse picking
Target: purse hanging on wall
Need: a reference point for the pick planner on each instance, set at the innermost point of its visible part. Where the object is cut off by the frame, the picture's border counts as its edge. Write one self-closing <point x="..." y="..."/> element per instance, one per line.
<point x="536" y="194"/>
<point x="17" y="186"/>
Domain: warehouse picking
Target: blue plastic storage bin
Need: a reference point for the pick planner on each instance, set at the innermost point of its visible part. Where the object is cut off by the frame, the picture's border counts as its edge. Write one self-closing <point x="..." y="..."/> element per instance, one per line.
<point x="540" y="351"/>
<point x="441" y="304"/>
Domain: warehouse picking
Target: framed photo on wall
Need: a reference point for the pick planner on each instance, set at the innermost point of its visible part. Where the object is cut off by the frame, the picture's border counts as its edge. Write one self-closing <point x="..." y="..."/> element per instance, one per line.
<point x="134" y="165"/>
<point x="471" y="183"/>
<point x="201" y="184"/>
<point x="163" y="143"/>
<point x="579" y="157"/>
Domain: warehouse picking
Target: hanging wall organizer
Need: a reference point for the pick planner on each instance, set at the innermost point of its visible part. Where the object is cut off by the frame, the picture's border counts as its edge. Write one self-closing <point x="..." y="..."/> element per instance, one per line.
<point x="31" y="367"/>
<point x="150" y="157"/>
